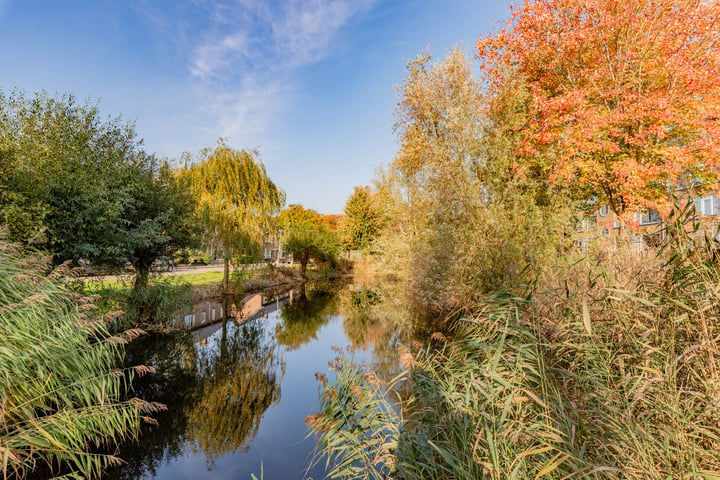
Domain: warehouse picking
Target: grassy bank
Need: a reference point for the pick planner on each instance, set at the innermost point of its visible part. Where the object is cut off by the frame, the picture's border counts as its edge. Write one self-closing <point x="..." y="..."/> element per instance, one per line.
<point x="249" y="280"/>
<point x="157" y="305"/>
<point x="125" y="284"/>
<point x="609" y="367"/>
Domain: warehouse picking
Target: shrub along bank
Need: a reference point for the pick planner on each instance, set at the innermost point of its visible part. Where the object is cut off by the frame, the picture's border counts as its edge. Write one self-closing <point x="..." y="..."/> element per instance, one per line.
<point x="608" y="368"/>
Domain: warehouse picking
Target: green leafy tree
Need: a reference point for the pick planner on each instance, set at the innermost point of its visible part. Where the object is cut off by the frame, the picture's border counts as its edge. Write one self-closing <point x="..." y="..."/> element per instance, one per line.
<point x="81" y="187"/>
<point x="235" y="201"/>
<point x="158" y="217"/>
<point x="308" y="236"/>
<point x="54" y="147"/>
<point x="362" y="221"/>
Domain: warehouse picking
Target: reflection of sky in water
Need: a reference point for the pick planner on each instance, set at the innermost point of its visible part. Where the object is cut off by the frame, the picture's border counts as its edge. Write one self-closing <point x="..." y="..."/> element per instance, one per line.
<point x="281" y="445"/>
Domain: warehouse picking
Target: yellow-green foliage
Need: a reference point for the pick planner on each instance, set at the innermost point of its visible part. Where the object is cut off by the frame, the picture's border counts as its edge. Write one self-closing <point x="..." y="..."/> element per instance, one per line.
<point x="308" y="235"/>
<point x="60" y="389"/>
<point x="607" y="368"/>
<point x="362" y="220"/>
<point x="235" y="198"/>
<point x="461" y="221"/>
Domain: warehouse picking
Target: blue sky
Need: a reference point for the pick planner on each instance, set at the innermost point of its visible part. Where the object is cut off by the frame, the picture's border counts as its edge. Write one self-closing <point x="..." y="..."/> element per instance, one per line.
<point x="310" y="83"/>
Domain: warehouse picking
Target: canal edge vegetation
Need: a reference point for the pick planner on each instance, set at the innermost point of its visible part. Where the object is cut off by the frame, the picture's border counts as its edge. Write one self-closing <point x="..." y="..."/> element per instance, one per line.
<point x="609" y="370"/>
<point x="551" y="357"/>
<point x="476" y="213"/>
<point x="62" y="389"/>
<point x="124" y="210"/>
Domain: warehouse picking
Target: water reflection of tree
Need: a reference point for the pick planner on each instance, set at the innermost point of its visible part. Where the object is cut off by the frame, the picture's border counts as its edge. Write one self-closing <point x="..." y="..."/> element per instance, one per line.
<point x="377" y="316"/>
<point x="174" y="384"/>
<point x="361" y="321"/>
<point x="215" y="393"/>
<point x="309" y="311"/>
<point x="240" y="379"/>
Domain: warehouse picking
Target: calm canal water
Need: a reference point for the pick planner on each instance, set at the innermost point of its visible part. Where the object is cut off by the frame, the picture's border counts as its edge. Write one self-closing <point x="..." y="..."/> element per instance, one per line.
<point x="238" y="392"/>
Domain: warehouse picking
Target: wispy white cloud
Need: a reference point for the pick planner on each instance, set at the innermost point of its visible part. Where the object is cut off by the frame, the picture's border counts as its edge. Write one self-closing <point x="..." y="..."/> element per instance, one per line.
<point x="243" y="114"/>
<point x="242" y="55"/>
<point x="211" y="58"/>
<point x="282" y="35"/>
<point x="305" y="30"/>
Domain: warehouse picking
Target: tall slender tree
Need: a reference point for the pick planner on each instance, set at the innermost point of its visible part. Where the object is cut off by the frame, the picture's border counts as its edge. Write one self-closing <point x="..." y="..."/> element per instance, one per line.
<point x="362" y="221"/>
<point x="439" y="122"/>
<point x="235" y="200"/>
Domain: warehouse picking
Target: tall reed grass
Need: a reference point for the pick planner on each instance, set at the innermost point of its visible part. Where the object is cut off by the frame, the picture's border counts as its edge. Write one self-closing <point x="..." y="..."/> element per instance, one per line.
<point x="60" y="389"/>
<point x="608" y="368"/>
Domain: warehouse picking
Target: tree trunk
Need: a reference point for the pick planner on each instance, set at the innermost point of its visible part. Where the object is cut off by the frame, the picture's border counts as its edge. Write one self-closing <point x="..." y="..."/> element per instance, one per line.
<point x="226" y="274"/>
<point x="224" y="342"/>
<point x="304" y="259"/>
<point x="141" y="282"/>
<point x="141" y="277"/>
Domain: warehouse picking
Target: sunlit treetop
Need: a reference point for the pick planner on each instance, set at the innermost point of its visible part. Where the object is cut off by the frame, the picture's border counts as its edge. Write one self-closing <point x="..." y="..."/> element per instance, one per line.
<point x="235" y="194"/>
<point x="333" y="221"/>
<point x="624" y="95"/>
<point x="298" y="215"/>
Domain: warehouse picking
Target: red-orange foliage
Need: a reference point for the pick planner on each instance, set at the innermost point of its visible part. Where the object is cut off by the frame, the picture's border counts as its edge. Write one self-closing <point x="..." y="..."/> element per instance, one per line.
<point x="624" y="95"/>
<point x="333" y="221"/>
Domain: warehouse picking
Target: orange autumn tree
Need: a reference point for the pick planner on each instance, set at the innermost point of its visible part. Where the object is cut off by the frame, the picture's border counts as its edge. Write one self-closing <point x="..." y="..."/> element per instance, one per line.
<point x="623" y="95"/>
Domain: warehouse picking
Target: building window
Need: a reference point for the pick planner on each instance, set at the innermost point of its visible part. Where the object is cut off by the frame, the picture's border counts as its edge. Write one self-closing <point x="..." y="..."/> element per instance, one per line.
<point x="212" y="315"/>
<point x="649" y="217"/>
<point x="189" y="320"/>
<point x="604" y="210"/>
<point x="708" y="205"/>
<point x="203" y="317"/>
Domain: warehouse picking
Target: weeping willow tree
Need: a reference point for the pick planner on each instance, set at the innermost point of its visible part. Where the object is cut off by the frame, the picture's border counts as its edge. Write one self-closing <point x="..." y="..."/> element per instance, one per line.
<point x="235" y="199"/>
<point x="239" y="380"/>
<point x="59" y="389"/>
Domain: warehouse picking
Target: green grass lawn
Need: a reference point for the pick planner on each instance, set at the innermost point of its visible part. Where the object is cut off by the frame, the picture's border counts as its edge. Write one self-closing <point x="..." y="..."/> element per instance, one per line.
<point x="205" y="278"/>
<point x="119" y="285"/>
